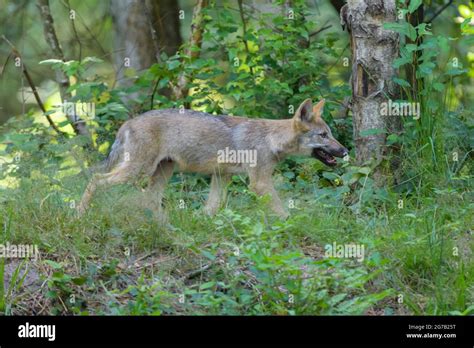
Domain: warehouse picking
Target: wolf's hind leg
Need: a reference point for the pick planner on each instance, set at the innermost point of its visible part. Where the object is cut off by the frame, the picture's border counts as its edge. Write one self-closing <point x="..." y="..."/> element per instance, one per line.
<point x="158" y="182"/>
<point x="121" y="174"/>
<point x="218" y="192"/>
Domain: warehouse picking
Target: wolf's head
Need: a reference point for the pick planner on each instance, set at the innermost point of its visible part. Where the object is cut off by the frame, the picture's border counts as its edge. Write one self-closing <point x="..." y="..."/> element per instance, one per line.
<point x="315" y="137"/>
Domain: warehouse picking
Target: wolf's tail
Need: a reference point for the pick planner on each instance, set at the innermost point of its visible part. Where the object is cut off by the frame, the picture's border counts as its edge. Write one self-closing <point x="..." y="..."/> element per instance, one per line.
<point x="112" y="159"/>
<point x="114" y="154"/>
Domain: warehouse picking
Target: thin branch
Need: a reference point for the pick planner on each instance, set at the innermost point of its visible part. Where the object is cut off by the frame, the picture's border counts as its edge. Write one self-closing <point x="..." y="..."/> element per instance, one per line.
<point x="337" y="60"/>
<point x="76" y="35"/>
<point x="5" y="64"/>
<point x="320" y="30"/>
<point x="437" y="13"/>
<point x="196" y="272"/>
<point x="77" y="124"/>
<point x="17" y="54"/>
<point x="92" y="35"/>
<point x="244" y="31"/>
<point x="155" y="87"/>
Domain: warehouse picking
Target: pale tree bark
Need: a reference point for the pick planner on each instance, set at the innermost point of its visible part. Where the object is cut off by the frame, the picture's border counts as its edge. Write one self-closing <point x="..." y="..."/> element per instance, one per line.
<point x="78" y="125"/>
<point x="373" y="51"/>
<point x="193" y="48"/>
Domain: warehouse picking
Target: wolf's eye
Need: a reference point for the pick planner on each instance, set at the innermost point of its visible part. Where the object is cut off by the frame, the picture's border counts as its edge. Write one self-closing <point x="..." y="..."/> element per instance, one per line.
<point x="323" y="135"/>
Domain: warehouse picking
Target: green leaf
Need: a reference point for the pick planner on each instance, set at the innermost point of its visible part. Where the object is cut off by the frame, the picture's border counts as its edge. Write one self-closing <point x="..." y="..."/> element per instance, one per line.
<point x="397" y="63"/>
<point x="91" y="60"/>
<point x="207" y="285"/>
<point x="411" y="47"/>
<point x="363" y="170"/>
<point x="465" y="11"/>
<point x="173" y="64"/>
<point x="404" y="28"/>
<point x="208" y="255"/>
<point x="51" y="61"/>
<point x="438" y="86"/>
<point x="422" y="30"/>
<point x="414" y="4"/>
<point x="401" y="82"/>
<point x="392" y="139"/>
<point x="426" y="69"/>
<point x="79" y="280"/>
<point x="53" y="264"/>
<point x="456" y="71"/>
<point x="330" y="175"/>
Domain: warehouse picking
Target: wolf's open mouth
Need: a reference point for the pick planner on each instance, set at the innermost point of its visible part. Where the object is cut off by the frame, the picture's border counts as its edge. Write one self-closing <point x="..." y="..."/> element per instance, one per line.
<point x="324" y="157"/>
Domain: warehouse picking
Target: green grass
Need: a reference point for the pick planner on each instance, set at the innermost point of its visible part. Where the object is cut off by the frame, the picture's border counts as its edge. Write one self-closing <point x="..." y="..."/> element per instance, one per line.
<point x="118" y="259"/>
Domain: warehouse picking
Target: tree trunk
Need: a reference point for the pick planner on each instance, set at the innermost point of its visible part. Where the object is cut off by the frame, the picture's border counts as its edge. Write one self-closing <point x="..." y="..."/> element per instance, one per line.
<point x="77" y="124"/>
<point x="166" y="23"/>
<point x="373" y="52"/>
<point x="143" y="30"/>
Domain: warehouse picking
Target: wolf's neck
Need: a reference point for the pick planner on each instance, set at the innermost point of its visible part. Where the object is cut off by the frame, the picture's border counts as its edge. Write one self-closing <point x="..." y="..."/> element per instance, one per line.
<point x="283" y="141"/>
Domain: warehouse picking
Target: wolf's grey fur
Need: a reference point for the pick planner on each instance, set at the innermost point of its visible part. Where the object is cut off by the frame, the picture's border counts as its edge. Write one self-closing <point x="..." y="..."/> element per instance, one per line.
<point x="160" y="141"/>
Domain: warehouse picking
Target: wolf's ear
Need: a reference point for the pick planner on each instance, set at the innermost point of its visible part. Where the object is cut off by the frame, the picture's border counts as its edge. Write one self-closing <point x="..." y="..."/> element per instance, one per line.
<point x="304" y="112"/>
<point x="318" y="108"/>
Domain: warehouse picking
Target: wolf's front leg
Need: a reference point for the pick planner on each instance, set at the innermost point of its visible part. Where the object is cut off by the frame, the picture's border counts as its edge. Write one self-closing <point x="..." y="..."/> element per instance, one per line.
<point x="217" y="194"/>
<point x="262" y="184"/>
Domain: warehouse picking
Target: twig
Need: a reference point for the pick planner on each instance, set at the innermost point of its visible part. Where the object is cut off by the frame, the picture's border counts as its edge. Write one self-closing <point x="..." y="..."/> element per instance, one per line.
<point x="62" y="79"/>
<point x="244" y="31"/>
<point x="32" y="85"/>
<point x="320" y="30"/>
<point x="197" y="272"/>
<point x="337" y="60"/>
<point x="155" y="87"/>
<point x="76" y="35"/>
<point x="4" y="65"/>
<point x="437" y="13"/>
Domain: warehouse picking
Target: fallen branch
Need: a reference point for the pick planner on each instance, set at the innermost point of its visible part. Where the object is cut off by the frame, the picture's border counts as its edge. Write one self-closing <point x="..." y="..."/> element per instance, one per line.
<point x="197" y="272"/>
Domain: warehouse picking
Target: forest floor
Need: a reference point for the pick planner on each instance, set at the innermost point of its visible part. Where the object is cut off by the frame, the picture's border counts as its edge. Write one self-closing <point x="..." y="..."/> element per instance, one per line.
<point x="118" y="259"/>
